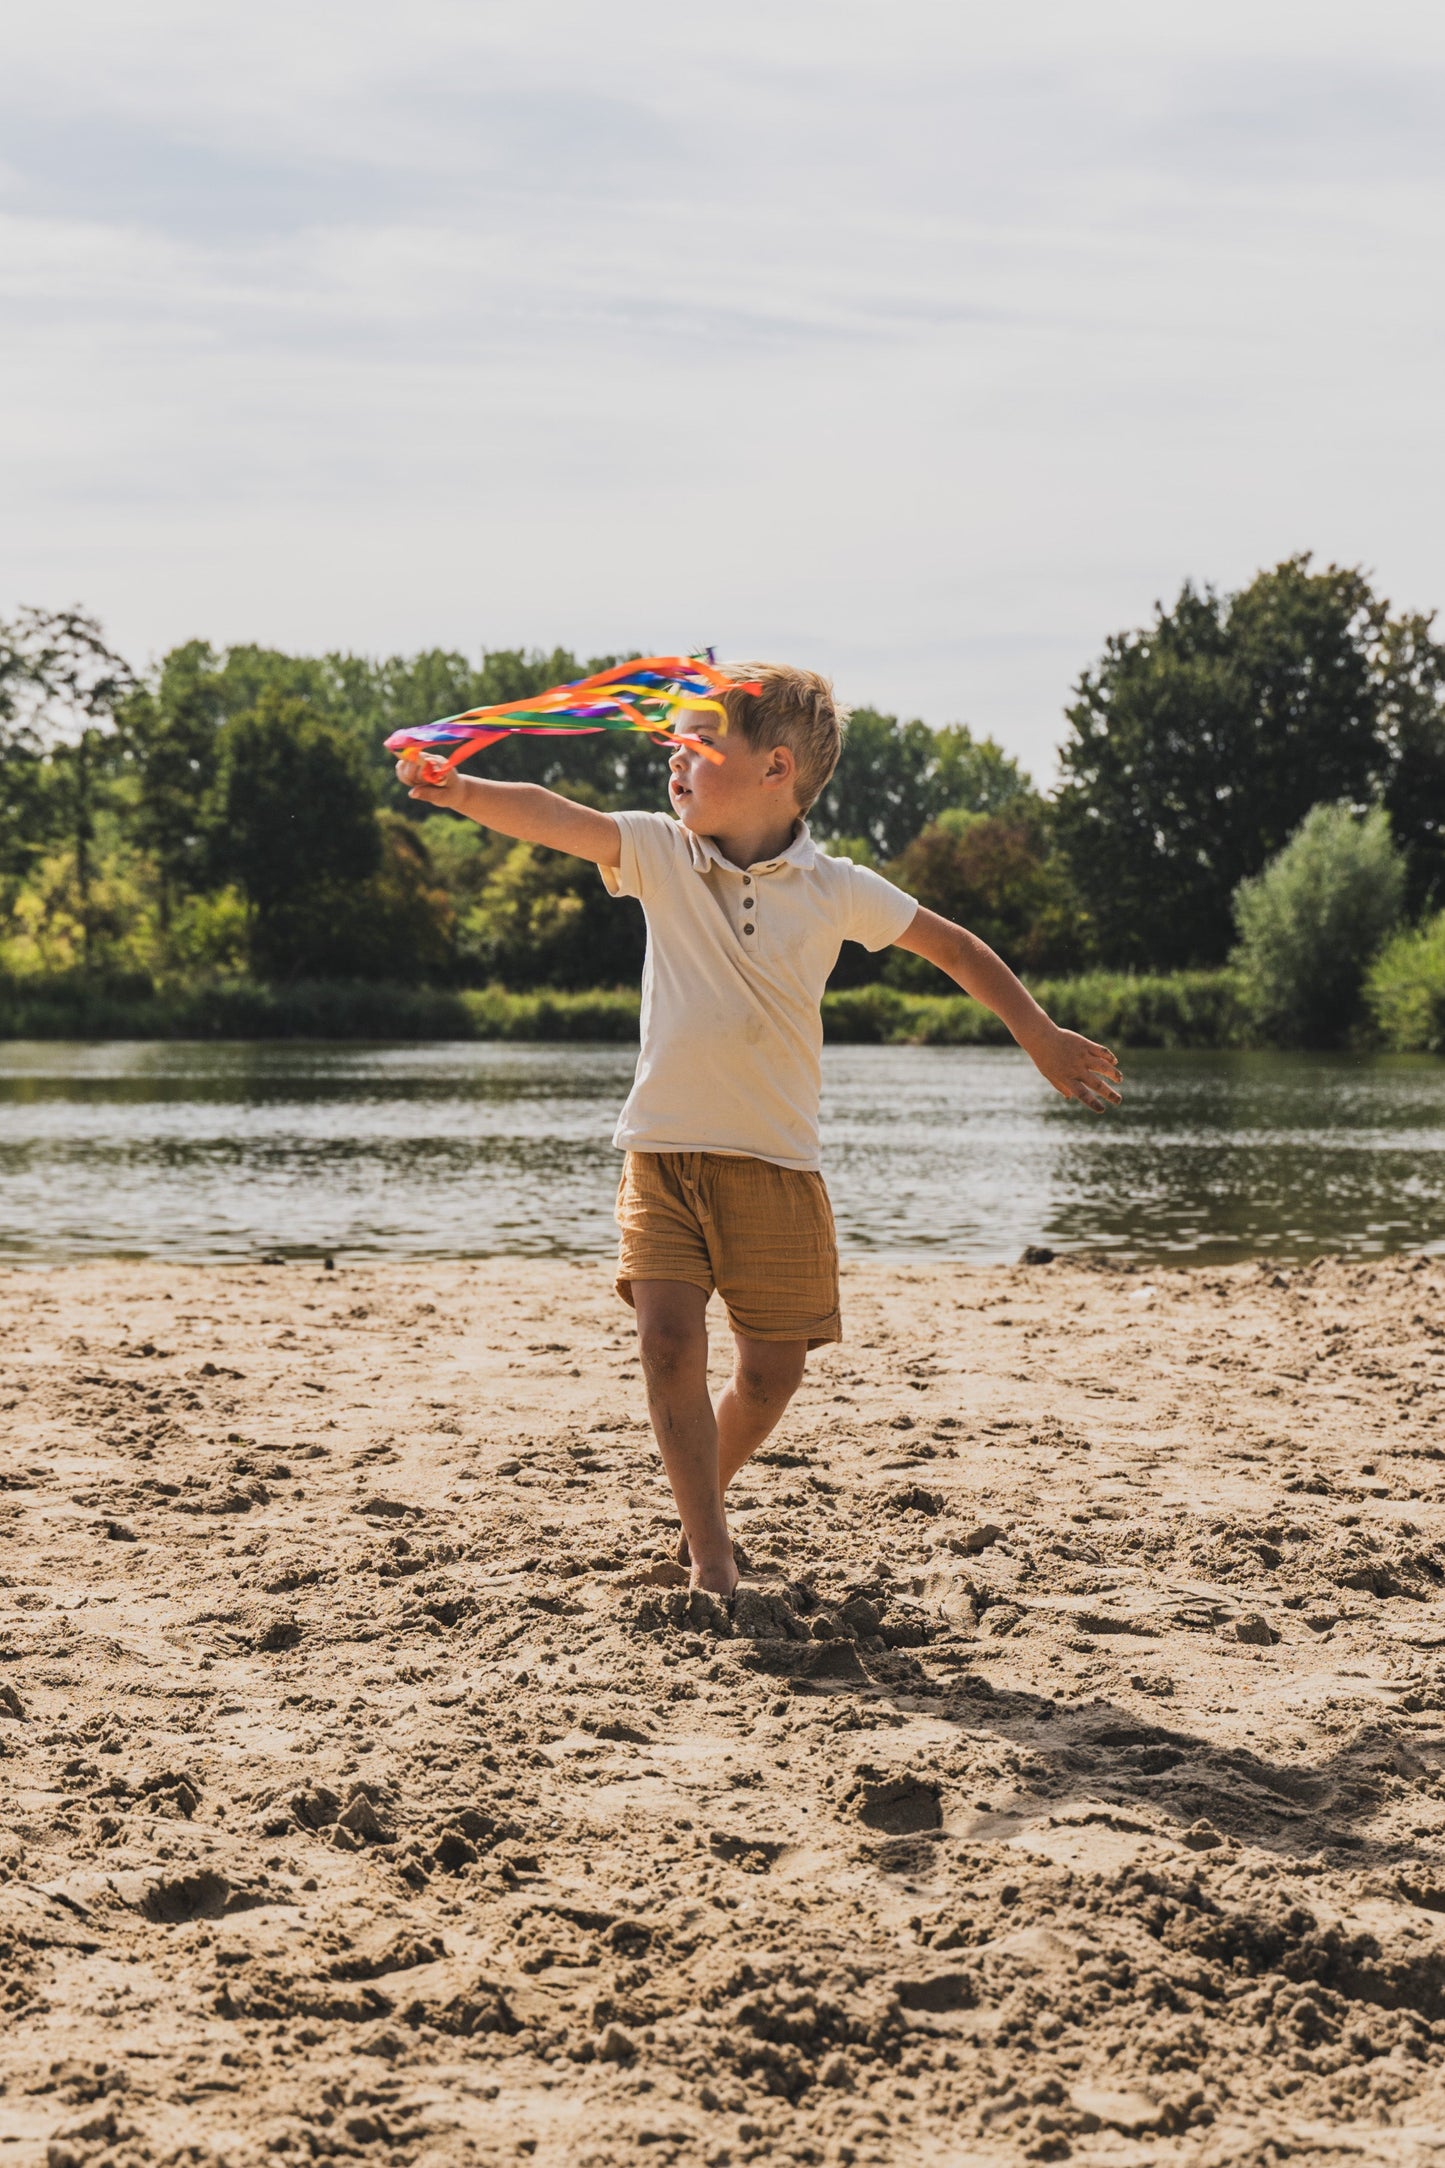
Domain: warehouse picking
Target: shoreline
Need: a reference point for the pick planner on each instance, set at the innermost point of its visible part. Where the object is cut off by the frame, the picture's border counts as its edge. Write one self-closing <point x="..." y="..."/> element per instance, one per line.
<point x="1070" y="1786"/>
<point x="1125" y="1262"/>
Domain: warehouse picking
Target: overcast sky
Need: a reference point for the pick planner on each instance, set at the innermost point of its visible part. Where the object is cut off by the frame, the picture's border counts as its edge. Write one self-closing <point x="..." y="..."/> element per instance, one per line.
<point x="925" y="344"/>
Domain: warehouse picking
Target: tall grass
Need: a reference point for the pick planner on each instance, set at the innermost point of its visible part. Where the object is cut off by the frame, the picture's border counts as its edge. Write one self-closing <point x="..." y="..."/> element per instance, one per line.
<point x="606" y="1014"/>
<point x="1178" y="1009"/>
<point x="73" y="1007"/>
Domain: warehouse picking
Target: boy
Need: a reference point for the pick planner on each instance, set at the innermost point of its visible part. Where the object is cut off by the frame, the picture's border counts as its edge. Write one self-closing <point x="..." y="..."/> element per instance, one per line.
<point x="720" y="1187"/>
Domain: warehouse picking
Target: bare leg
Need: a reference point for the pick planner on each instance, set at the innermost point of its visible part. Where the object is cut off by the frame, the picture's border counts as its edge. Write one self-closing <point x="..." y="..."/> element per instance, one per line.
<point x="672" y="1337"/>
<point x="765" y="1377"/>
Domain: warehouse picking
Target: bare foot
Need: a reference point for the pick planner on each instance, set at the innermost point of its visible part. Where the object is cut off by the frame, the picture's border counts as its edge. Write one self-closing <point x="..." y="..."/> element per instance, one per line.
<point x="720" y="1580"/>
<point x="683" y="1554"/>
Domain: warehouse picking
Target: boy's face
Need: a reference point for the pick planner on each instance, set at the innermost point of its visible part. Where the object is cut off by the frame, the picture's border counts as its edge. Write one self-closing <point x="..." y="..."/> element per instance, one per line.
<point x="711" y="797"/>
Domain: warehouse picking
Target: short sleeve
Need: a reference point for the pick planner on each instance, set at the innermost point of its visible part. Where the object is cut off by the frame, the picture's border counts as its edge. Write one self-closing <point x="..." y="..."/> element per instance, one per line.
<point x="651" y="843"/>
<point x="877" y="912"/>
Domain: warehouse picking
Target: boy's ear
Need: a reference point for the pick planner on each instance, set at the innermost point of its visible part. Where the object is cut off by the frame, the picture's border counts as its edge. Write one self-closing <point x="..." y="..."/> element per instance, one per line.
<point x="781" y="771"/>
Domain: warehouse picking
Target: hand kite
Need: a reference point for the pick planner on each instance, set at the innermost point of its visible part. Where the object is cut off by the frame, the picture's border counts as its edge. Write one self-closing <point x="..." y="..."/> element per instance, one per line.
<point x="645" y="695"/>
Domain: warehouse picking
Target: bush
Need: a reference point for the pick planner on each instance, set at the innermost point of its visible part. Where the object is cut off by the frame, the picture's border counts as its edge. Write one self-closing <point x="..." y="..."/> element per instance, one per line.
<point x="1405" y="989"/>
<point x="994" y="873"/>
<point x="1312" y="922"/>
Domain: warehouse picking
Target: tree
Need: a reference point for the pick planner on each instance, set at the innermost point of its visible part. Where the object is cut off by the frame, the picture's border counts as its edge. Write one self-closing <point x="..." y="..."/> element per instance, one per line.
<point x="1412" y="709"/>
<point x="1198" y="745"/>
<point x="60" y="685"/>
<point x="541" y="918"/>
<point x="172" y="733"/>
<point x="894" y="778"/>
<point x="396" y="924"/>
<point x="1313" y="921"/>
<point x="993" y="872"/>
<point x="976" y="775"/>
<point x="25" y="804"/>
<point x="364" y="700"/>
<point x="295" y="829"/>
<point x="334" y="888"/>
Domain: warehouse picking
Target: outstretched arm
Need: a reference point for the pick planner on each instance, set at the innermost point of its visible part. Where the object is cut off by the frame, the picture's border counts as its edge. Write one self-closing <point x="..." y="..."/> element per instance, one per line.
<point x="1075" y="1066"/>
<point x="523" y="810"/>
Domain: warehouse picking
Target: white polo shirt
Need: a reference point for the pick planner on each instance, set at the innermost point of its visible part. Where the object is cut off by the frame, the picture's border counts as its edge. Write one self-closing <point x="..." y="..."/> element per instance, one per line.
<point x="732" y="1030"/>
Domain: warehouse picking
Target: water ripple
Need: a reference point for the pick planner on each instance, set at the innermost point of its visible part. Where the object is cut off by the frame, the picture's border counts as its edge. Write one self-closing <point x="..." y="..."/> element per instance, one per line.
<point x="217" y="1152"/>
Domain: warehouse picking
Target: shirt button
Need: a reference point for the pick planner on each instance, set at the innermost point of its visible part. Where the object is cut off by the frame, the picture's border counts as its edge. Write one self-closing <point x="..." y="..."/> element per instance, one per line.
<point x="747" y="929"/>
<point x="747" y="880"/>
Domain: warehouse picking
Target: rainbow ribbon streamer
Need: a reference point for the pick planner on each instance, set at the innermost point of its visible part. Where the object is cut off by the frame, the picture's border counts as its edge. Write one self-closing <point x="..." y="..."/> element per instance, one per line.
<point x="647" y="695"/>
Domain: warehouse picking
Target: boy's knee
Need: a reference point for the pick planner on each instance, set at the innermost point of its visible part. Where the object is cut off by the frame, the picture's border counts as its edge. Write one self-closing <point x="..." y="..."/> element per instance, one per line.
<point x="765" y="1382"/>
<point x="669" y="1351"/>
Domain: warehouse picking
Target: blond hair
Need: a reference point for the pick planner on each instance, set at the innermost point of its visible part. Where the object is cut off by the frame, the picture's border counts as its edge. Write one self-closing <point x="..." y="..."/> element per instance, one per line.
<point x="795" y="708"/>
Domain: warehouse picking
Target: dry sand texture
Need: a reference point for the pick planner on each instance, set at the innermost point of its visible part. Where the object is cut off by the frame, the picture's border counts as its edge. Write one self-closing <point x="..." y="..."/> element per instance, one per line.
<point x="1070" y="1788"/>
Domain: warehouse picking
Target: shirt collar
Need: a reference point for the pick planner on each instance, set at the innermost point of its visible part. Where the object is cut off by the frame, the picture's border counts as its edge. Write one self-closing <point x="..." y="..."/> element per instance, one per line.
<point x="802" y="852"/>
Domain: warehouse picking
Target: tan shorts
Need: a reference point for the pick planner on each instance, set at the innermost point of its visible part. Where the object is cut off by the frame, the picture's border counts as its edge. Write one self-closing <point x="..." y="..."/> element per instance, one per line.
<point x="761" y="1235"/>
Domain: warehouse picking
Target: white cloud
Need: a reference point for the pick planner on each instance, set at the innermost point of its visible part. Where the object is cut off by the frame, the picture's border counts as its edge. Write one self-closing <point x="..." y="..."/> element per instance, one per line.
<point x="925" y="342"/>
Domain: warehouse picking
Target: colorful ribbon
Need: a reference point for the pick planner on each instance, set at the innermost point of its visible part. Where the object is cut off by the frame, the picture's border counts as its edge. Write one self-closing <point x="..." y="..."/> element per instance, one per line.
<point x="644" y="695"/>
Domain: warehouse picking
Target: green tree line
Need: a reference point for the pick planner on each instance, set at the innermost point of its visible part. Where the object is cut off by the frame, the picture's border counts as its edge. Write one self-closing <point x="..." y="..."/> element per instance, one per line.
<point x="230" y="815"/>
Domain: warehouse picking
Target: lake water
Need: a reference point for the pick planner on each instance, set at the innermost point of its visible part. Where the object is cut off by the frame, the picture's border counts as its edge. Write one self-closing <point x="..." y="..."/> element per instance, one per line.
<point x="230" y="1151"/>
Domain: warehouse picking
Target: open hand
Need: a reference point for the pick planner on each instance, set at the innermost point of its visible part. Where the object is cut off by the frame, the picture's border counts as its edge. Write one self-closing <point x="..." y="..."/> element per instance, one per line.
<point x="1078" y="1069"/>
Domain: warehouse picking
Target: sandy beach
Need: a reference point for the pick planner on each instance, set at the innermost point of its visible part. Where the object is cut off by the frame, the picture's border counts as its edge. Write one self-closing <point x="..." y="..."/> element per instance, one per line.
<point x="1068" y="1786"/>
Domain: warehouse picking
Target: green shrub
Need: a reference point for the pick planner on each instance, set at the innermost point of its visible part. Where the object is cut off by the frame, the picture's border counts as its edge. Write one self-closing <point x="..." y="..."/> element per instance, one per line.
<point x="1405" y="989"/>
<point x="997" y="874"/>
<point x="1312" y="922"/>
